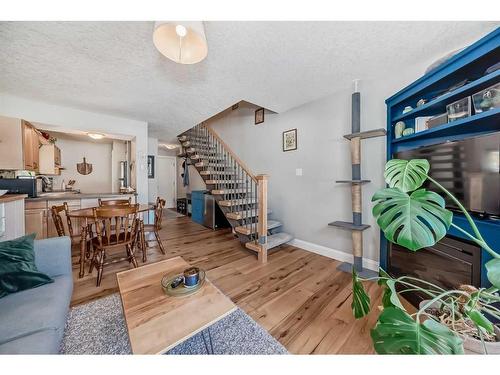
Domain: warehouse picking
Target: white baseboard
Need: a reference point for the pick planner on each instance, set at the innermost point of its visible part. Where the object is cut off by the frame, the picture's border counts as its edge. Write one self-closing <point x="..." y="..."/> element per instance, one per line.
<point x="332" y="253"/>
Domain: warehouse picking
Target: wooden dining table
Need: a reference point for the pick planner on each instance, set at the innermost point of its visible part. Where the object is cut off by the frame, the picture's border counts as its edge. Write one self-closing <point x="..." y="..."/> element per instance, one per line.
<point x="86" y="217"/>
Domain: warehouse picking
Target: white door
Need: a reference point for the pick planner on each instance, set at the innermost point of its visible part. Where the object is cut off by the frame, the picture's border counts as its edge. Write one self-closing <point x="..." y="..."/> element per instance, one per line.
<point x="167" y="184"/>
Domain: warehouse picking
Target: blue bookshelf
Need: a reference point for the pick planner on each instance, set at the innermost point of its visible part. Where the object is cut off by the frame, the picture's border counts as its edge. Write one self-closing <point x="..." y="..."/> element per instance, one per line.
<point x="470" y="64"/>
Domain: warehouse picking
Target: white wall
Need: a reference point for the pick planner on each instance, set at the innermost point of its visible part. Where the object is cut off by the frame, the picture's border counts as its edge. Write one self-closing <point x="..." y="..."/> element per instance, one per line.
<point x="98" y="154"/>
<point x="70" y="118"/>
<point x="306" y="204"/>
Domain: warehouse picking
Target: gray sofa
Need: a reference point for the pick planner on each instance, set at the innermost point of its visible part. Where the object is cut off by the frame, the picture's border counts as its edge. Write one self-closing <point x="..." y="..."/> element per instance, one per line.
<point x="32" y="321"/>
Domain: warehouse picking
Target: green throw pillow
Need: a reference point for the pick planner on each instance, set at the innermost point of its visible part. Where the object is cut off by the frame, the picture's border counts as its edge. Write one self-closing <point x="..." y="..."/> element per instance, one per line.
<point x="17" y="266"/>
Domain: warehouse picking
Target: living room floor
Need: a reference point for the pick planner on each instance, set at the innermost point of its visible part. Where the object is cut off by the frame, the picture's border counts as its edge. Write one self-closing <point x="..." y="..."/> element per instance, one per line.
<point x="298" y="296"/>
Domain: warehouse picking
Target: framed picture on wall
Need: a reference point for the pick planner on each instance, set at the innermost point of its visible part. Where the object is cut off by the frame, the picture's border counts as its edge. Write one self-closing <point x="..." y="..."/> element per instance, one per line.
<point x="151" y="166"/>
<point x="290" y="140"/>
<point x="259" y="116"/>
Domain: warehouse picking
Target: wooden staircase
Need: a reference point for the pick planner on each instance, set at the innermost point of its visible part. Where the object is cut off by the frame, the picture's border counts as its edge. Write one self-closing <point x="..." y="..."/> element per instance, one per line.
<point x="241" y="195"/>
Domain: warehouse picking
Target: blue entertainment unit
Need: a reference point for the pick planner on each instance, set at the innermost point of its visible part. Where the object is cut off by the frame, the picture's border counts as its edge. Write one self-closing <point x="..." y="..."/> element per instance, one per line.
<point x="470" y="65"/>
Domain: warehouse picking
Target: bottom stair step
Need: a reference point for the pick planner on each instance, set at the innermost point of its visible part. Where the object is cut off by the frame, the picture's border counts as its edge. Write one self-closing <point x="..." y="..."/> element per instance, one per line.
<point x="273" y="241"/>
<point x="246" y="230"/>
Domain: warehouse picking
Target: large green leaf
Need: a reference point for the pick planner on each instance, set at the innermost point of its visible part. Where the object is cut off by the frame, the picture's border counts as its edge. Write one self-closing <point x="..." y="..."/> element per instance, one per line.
<point x="412" y="221"/>
<point x="397" y="333"/>
<point x="406" y="175"/>
<point x="477" y="317"/>
<point x="360" y="300"/>
<point x="493" y="272"/>
<point x="390" y="297"/>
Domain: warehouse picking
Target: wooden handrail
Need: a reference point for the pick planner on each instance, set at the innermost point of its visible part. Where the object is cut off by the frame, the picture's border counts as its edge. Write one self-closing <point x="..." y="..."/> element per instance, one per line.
<point x="228" y="149"/>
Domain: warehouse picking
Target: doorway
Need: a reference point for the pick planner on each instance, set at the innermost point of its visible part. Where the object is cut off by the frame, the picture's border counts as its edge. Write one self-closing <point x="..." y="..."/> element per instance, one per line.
<point x="167" y="179"/>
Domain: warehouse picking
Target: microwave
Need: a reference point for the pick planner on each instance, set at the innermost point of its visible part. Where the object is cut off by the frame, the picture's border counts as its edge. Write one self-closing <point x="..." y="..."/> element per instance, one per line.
<point x="20" y="186"/>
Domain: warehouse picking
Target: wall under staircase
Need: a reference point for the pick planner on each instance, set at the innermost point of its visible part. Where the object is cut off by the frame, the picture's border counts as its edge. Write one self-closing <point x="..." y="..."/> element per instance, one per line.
<point x="241" y="195"/>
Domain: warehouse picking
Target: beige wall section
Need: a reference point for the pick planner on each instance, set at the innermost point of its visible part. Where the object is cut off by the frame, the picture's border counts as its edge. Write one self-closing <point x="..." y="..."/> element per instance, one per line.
<point x="306" y="204"/>
<point x="97" y="153"/>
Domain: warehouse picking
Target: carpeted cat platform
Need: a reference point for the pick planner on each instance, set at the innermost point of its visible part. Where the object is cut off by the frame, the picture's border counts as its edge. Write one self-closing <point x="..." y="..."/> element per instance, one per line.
<point x="99" y="328"/>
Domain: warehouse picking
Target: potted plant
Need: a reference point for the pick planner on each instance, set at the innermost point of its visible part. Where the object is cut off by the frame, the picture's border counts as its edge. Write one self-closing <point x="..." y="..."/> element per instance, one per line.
<point x="449" y="321"/>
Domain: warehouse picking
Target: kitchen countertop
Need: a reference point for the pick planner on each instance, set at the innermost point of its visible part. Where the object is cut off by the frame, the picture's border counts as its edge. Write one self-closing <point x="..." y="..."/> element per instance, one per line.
<point x="12" y="197"/>
<point x="71" y="196"/>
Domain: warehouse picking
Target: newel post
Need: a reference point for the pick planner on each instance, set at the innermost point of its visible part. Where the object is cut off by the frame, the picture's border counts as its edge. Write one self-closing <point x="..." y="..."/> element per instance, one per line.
<point x="262" y="218"/>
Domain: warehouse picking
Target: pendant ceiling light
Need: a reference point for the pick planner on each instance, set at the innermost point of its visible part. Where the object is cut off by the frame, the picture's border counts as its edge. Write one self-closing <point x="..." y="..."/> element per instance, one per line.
<point x="183" y="42"/>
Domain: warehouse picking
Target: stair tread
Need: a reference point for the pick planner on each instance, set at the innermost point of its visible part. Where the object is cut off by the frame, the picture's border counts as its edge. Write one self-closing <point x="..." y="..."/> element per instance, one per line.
<point x="348" y="225"/>
<point x="213" y="182"/>
<point x="237" y="202"/>
<point x="273" y="241"/>
<point x="244" y="214"/>
<point x="271" y="224"/>
<point x="230" y="191"/>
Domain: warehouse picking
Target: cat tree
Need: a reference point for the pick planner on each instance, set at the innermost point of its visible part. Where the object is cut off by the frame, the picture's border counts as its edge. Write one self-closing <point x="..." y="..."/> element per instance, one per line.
<point x="356" y="226"/>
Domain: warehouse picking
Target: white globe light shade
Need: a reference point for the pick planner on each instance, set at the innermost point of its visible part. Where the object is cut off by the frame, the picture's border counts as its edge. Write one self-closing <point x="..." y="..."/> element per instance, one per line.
<point x="181" y="41"/>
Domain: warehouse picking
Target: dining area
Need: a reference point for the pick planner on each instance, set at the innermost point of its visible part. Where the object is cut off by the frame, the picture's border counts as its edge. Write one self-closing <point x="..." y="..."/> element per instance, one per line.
<point x="112" y="231"/>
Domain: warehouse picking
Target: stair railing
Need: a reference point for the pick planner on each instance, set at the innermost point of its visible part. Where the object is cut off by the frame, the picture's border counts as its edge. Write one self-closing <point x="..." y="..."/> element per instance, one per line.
<point x="246" y="192"/>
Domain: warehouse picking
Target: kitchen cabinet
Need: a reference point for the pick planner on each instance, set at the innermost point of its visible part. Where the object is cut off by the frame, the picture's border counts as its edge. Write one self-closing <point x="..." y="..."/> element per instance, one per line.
<point x="19" y="144"/>
<point x="11" y="143"/>
<point x="50" y="159"/>
<point x="31" y="145"/>
<point x="36" y="222"/>
<point x="11" y="216"/>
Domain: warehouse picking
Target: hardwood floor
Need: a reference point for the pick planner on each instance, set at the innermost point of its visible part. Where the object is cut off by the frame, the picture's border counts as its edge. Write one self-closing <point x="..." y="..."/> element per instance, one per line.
<point x="299" y="297"/>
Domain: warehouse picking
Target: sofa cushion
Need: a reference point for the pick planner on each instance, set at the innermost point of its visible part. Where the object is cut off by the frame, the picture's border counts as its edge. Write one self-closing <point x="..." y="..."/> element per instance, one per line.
<point x="36" y="309"/>
<point x="17" y="266"/>
<point x="41" y="342"/>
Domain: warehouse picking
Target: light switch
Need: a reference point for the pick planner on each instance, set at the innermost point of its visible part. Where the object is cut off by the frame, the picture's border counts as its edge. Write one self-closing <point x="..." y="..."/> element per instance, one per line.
<point x="298" y="172"/>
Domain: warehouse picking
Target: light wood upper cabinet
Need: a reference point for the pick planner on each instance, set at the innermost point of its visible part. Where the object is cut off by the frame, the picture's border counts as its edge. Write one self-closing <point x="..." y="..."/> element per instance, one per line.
<point x="50" y="159"/>
<point x="11" y="143"/>
<point x="19" y="144"/>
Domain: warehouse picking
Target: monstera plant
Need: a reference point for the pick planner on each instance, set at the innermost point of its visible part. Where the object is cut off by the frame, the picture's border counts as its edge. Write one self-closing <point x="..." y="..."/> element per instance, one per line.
<point x="413" y="217"/>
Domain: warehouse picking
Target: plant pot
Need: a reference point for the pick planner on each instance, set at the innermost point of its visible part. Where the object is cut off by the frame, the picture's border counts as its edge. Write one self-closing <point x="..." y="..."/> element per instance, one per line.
<point x="470" y="344"/>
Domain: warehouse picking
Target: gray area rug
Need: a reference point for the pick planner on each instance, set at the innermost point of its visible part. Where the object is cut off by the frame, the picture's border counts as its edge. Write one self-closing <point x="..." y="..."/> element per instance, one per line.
<point x="98" y="327"/>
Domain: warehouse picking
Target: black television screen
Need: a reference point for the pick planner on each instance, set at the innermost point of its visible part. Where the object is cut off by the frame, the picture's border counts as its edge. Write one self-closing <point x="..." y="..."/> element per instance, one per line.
<point x="470" y="169"/>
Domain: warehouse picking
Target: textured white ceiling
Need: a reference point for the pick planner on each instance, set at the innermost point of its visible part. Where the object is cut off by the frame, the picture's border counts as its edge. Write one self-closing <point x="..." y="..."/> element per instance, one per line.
<point x="113" y="67"/>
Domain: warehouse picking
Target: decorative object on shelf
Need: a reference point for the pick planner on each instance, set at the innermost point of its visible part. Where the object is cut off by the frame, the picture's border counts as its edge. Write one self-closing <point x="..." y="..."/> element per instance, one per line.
<point x="487" y="99"/>
<point x="416" y="218"/>
<point x="175" y="286"/>
<point x="235" y="106"/>
<point x="408" y="131"/>
<point x="259" y="116"/>
<point x="356" y="226"/>
<point x="290" y="140"/>
<point x="407" y="109"/>
<point x="437" y="120"/>
<point x="398" y="129"/>
<point x="421" y="123"/>
<point x="181" y="41"/>
<point x="459" y="109"/>
<point x="421" y="102"/>
<point x="84" y="167"/>
<point x="151" y="166"/>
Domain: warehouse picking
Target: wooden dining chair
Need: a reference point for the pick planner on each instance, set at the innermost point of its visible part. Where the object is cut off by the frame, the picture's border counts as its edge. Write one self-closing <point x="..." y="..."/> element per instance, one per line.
<point x="115" y="202"/>
<point x="116" y="226"/>
<point x="155" y="228"/>
<point x="57" y="212"/>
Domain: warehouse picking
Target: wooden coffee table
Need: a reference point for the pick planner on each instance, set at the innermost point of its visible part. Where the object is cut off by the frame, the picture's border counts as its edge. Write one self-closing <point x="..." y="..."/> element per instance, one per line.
<point x="157" y="322"/>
